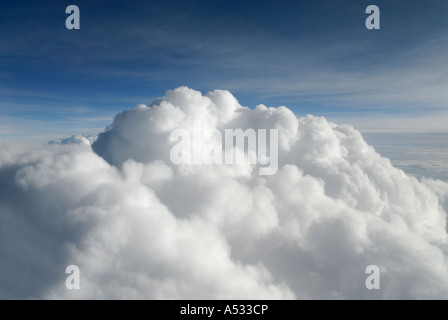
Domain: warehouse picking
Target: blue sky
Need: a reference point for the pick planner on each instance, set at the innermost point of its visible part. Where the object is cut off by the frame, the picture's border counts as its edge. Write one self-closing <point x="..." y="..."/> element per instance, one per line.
<point x="313" y="56"/>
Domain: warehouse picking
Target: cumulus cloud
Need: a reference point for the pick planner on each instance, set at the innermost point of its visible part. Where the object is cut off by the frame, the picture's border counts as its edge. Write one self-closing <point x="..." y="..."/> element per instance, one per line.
<point x="77" y="139"/>
<point x="140" y="227"/>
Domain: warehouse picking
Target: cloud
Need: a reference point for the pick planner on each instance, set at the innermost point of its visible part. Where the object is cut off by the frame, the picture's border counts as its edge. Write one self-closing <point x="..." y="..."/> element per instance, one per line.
<point x="140" y="227"/>
<point x="77" y="139"/>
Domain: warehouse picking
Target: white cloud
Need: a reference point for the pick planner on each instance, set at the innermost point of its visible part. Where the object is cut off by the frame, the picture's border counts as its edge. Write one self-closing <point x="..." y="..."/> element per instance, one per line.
<point x="78" y="139"/>
<point x="140" y="227"/>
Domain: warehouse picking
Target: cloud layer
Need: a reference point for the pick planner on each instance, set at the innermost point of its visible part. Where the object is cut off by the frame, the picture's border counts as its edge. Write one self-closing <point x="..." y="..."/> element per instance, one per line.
<point x="140" y="227"/>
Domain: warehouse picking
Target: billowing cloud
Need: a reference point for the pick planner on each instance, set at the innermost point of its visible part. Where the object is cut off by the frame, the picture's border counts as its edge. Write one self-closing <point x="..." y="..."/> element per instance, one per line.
<point x="140" y="227"/>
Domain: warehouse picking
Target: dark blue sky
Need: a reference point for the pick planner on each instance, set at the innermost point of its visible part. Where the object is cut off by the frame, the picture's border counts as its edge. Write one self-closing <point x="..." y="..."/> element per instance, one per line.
<point x="312" y="56"/>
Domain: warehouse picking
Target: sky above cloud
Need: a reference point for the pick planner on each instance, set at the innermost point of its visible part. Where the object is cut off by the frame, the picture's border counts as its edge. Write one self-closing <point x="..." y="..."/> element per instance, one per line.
<point x="315" y="57"/>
